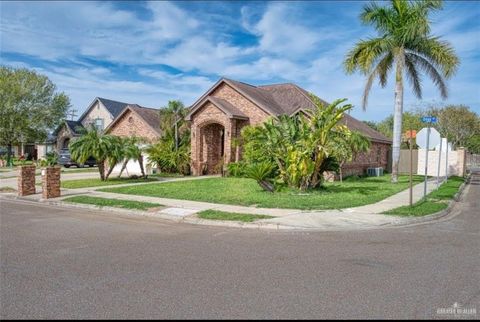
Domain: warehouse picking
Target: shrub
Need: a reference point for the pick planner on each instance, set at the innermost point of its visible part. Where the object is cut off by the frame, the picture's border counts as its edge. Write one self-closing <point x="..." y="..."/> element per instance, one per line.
<point x="262" y="173"/>
<point x="236" y="169"/>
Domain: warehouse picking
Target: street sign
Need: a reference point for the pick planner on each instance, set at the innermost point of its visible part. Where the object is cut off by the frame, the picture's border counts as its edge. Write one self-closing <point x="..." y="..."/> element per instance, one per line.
<point x="434" y="139"/>
<point x="429" y="119"/>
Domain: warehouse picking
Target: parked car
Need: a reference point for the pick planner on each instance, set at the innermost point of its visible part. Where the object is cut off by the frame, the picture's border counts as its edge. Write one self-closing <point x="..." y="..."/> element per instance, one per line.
<point x="65" y="160"/>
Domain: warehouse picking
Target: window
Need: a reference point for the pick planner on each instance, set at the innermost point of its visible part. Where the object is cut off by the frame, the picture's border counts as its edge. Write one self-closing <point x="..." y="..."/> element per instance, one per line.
<point x="99" y="124"/>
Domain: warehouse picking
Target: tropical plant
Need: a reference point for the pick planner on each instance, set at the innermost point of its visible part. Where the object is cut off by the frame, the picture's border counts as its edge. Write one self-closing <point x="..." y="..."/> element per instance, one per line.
<point x="132" y="151"/>
<point x="261" y="172"/>
<point x="105" y="148"/>
<point x="301" y="145"/>
<point x="404" y="42"/>
<point x="30" y="106"/>
<point x="172" y="152"/>
<point x="50" y="160"/>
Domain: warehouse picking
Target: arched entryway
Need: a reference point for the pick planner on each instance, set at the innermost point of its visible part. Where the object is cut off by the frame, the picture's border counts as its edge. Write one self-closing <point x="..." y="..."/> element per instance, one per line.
<point x="212" y="149"/>
<point x="65" y="143"/>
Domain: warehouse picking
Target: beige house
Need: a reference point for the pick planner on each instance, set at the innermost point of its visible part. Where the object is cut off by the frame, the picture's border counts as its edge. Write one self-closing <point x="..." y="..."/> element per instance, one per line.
<point x="100" y="113"/>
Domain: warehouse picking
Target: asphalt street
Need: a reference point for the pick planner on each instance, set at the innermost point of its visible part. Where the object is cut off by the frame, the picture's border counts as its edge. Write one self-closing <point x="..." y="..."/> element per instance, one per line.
<point x="64" y="263"/>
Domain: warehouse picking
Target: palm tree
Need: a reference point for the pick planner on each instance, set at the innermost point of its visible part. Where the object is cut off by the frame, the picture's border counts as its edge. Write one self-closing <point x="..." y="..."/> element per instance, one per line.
<point x="97" y="145"/>
<point x="404" y="42"/>
<point x="132" y="151"/>
<point x="173" y="115"/>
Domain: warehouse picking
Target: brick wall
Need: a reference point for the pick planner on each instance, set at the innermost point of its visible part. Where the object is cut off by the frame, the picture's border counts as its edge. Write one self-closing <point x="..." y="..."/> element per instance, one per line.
<point x="51" y="182"/>
<point x="254" y="113"/>
<point x="26" y="180"/>
<point x="130" y="124"/>
<point x="376" y="157"/>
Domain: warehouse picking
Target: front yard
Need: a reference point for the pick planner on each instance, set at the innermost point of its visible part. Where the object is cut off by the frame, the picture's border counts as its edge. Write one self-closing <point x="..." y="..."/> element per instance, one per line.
<point x="246" y="192"/>
<point x="96" y="182"/>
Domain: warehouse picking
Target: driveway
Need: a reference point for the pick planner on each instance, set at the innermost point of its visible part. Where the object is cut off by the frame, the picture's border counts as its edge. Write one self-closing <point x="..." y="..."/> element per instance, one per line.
<point x="65" y="263"/>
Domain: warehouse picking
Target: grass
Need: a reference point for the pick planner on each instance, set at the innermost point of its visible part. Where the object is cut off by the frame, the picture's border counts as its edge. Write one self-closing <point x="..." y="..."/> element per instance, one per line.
<point x="222" y="215"/>
<point x="436" y="201"/>
<point x="246" y="192"/>
<point x="103" y="202"/>
<point x="7" y="189"/>
<point x="166" y="175"/>
<point x="96" y="182"/>
<point x="65" y="170"/>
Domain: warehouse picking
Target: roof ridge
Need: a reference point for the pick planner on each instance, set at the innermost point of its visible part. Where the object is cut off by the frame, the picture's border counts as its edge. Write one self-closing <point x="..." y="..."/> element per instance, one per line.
<point x="107" y="99"/>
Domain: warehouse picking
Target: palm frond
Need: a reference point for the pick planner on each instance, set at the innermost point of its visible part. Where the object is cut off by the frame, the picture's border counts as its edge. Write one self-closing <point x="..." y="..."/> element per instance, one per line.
<point x="440" y="53"/>
<point x="413" y="76"/>
<point x="431" y="71"/>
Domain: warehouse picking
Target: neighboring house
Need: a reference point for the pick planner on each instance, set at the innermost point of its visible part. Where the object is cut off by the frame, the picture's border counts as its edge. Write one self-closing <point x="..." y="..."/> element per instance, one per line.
<point x="138" y="121"/>
<point x="142" y="122"/>
<point x="218" y="116"/>
<point x="100" y="113"/>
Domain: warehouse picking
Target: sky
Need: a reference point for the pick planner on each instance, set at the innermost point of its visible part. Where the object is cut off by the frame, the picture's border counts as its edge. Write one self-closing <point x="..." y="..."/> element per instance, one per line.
<point x="151" y="52"/>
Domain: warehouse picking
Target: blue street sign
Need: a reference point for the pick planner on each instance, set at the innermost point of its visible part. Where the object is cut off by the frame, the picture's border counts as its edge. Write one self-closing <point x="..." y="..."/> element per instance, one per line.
<point x="429" y="119"/>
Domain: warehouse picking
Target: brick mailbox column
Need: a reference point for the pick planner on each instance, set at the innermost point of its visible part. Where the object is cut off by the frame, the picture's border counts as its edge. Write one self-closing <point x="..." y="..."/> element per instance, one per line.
<point x="26" y="180"/>
<point x="51" y="182"/>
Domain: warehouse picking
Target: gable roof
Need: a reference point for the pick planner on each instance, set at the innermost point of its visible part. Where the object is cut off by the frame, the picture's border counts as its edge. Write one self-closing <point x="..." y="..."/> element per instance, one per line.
<point x="280" y="99"/>
<point x="149" y="115"/>
<point x="225" y="106"/>
<point x="113" y="107"/>
<point x="75" y="127"/>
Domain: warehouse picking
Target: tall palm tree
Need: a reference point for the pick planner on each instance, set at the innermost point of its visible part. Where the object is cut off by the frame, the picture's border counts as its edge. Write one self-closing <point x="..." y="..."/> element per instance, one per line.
<point x="174" y="115"/>
<point x="404" y="42"/>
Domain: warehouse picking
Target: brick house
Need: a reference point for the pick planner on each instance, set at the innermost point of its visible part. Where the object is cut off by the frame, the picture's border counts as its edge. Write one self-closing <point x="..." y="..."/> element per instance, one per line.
<point x="100" y="113"/>
<point x="218" y="116"/>
<point x="136" y="120"/>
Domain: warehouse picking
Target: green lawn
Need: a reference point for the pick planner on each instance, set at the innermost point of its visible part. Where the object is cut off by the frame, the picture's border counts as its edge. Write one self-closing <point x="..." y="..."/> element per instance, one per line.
<point x="435" y="201"/>
<point x="222" y="215"/>
<point x="103" y="202"/>
<point x="96" y="182"/>
<point x="246" y="192"/>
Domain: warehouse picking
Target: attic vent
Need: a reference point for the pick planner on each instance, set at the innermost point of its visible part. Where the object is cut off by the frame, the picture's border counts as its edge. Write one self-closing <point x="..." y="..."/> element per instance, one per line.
<point x="130" y="119"/>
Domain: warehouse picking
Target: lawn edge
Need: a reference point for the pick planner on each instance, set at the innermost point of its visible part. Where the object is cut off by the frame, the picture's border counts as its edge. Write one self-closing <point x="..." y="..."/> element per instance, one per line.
<point x="438" y="215"/>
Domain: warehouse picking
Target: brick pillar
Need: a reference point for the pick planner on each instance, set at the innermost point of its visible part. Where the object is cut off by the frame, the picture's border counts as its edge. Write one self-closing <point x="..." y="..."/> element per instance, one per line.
<point x="26" y="180"/>
<point x="51" y="182"/>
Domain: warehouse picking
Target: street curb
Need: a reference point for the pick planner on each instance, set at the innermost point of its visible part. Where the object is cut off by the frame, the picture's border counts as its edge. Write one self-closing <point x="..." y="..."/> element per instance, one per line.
<point x="194" y="220"/>
<point x="438" y="215"/>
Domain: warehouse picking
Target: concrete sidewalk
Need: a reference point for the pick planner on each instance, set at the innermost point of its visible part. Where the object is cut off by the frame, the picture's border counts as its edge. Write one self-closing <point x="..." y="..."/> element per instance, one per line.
<point x="364" y="217"/>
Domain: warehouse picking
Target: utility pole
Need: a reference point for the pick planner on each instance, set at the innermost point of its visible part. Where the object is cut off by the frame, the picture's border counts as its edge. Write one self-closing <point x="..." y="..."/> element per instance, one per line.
<point x="72" y="113"/>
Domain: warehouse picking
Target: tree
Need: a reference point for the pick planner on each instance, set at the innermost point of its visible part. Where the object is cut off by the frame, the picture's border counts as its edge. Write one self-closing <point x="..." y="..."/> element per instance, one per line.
<point x="174" y="116"/>
<point x="132" y="151"/>
<point x="104" y="148"/>
<point x="457" y="123"/>
<point x="29" y="106"/>
<point x="172" y="152"/>
<point x="300" y="146"/>
<point x="410" y="121"/>
<point x="473" y="144"/>
<point x="404" y="42"/>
